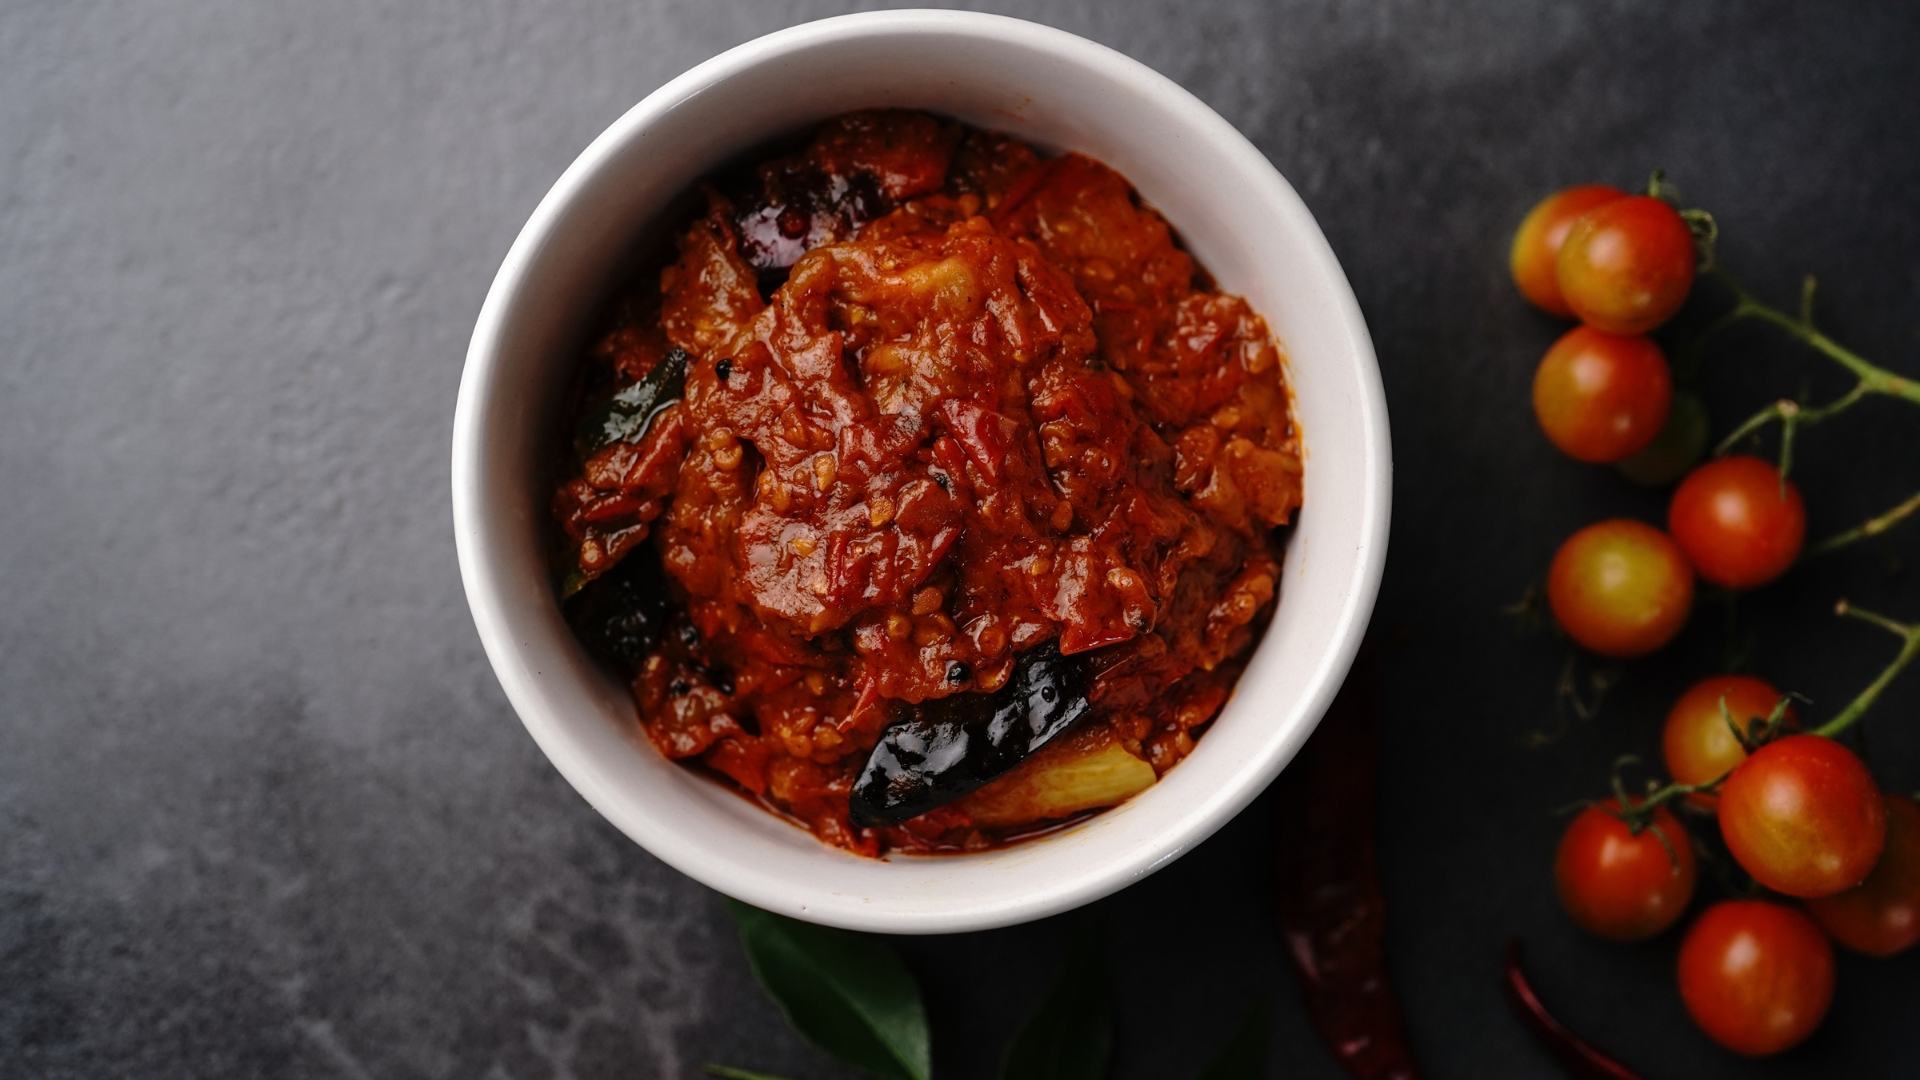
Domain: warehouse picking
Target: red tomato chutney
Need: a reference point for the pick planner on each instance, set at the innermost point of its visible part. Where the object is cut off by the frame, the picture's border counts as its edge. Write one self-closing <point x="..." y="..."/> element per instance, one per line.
<point x="931" y="403"/>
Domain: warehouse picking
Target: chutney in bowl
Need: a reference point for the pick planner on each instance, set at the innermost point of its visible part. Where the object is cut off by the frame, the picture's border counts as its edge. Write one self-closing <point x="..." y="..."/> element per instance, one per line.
<point x="1062" y="96"/>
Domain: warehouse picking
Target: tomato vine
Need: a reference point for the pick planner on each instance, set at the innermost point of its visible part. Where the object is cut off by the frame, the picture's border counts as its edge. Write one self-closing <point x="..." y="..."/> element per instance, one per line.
<point x="1799" y="814"/>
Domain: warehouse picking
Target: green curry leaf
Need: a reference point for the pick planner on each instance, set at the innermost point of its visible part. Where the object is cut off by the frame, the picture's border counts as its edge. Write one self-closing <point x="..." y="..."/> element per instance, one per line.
<point x="847" y="994"/>
<point x="1070" y="1036"/>
<point x="625" y="416"/>
<point x="1245" y="1055"/>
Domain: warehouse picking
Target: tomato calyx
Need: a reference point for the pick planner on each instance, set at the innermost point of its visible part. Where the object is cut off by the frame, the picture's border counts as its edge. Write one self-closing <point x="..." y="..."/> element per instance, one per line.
<point x="1638" y="812"/>
<point x="1660" y="187"/>
<point x="1705" y="230"/>
<point x="1760" y="732"/>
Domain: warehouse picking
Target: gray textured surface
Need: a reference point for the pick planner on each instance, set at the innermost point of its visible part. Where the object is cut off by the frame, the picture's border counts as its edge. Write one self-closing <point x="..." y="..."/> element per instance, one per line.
<point x="263" y="810"/>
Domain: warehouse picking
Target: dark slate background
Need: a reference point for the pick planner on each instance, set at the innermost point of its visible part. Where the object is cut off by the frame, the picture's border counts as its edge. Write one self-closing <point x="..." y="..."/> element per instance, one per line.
<point x="266" y="812"/>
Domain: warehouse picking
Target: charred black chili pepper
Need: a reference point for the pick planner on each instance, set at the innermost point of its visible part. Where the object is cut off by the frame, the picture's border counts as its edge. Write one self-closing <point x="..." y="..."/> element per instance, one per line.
<point x="947" y="747"/>
<point x="1579" y="1057"/>
<point x="625" y="416"/>
<point x="620" y="615"/>
<point x="1327" y="886"/>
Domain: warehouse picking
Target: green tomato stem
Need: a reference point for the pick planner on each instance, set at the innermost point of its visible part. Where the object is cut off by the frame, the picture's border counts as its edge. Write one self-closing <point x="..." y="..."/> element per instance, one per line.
<point x="1909" y="650"/>
<point x="1871" y="527"/>
<point x="1758" y="732"/>
<point x="1792" y="416"/>
<point x="1637" y="810"/>
<point x="1876" y="379"/>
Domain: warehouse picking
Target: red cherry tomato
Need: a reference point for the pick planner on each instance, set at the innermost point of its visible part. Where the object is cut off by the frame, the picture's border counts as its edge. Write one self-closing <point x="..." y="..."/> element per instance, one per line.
<point x="1536" y="247"/>
<point x="1601" y="397"/>
<point x="1755" y="976"/>
<point x="1803" y="816"/>
<point x="1620" y="588"/>
<point x="1735" y="523"/>
<point x="1621" y="886"/>
<point x="1696" y="743"/>
<point x="1626" y="265"/>
<point x="1881" y="916"/>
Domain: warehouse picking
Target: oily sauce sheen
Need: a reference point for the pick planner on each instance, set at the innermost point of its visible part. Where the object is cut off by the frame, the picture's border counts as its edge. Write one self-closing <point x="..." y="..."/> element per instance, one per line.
<point x="944" y="403"/>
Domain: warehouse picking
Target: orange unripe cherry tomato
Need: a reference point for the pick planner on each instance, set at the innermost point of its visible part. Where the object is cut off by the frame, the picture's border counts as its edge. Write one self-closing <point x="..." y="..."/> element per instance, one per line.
<point x="1696" y="743"/>
<point x="1803" y="816"/>
<point x="1621" y="886"/>
<point x="1602" y="397"/>
<point x="1535" y="257"/>
<point x="1755" y="976"/>
<point x="1881" y="915"/>
<point x="1627" y="264"/>
<point x="1736" y="523"/>
<point x="1620" y="588"/>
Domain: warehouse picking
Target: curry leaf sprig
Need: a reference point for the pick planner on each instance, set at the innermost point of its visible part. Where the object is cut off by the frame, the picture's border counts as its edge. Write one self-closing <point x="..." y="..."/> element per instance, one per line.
<point x="1070" y="1036"/>
<point x="848" y="994"/>
<point x="852" y="997"/>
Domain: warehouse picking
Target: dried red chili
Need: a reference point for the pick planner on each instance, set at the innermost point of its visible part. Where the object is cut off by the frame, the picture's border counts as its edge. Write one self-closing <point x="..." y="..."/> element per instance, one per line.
<point x="1327" y="895"/>
<point x="1579" y="1057"/>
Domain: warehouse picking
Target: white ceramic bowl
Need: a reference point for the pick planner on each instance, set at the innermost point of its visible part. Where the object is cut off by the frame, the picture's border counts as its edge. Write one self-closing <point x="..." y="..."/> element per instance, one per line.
<point x="1059" y="92"/>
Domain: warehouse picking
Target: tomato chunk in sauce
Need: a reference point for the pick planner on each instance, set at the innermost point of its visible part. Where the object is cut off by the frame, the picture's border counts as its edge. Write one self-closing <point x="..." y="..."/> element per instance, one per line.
<point x="944" y="402"/>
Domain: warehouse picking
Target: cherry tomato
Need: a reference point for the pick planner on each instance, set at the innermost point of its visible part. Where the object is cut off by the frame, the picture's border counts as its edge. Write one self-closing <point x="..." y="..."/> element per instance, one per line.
<point x="1803" y="816"/>
<point x="1672" y="452"/>
<point x="1601" y="397"/>
<point x="1620" y="588"/>
<point x="1755" y="976"/>
<point x="1626" y="265"/>
<point x="1881" y="916"/>
<point x="1621" y="886"/>
<point x="1536" y="247"/>
<point x="1735" y="523"/>
<point x="1697" y="745"/>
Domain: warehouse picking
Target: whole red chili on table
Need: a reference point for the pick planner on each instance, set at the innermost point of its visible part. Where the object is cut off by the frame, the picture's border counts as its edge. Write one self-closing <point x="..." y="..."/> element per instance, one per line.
<point x="1581" y="1059"/>
<point x="1331" y="911"/>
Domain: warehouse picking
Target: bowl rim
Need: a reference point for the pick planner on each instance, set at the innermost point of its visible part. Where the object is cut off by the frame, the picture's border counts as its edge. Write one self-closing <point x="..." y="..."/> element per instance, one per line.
<point x="486" y="592"/>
